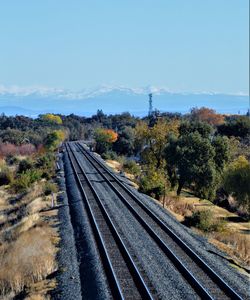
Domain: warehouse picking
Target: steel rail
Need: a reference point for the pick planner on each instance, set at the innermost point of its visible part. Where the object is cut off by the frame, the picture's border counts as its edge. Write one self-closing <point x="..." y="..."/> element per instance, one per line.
<point x="114" y="282"/>
<point x="198" y="260"/>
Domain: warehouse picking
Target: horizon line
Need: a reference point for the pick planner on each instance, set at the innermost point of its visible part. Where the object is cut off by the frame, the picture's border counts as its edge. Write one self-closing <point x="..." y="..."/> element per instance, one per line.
<point x="18" y="90"/>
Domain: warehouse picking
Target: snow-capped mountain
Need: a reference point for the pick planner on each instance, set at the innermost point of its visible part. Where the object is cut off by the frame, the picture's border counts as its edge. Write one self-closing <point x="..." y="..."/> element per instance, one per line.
<point x="32" y="101"/>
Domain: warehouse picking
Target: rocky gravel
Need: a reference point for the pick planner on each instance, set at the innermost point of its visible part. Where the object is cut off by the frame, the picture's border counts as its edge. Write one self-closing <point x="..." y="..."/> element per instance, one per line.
<point x="209" y="253"/>
<point x="81" y="274"/>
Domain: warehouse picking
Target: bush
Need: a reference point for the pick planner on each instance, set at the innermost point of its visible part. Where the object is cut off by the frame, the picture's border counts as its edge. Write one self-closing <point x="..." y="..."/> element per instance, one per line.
<point x="21" y="183"/>
<point x="205" y="221"/>
<point x="50" y="188"/>
<point x="24" y="180"/>
<point x="46" y="161"/>
<point x="24" y="166"/>
<point x="132" y="167"/>
<point x="34" y="175"/>
<point x="109" y="155"/>
<point x="6" y="176"/>
<point x="10" y="147"/>
<point x="236" y="182"/>
<point x="11" y="160"/>
<point x="153" y="183"/>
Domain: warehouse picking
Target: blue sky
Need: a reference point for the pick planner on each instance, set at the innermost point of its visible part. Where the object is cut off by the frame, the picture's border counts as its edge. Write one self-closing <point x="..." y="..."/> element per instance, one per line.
<point x="185" y="45"/>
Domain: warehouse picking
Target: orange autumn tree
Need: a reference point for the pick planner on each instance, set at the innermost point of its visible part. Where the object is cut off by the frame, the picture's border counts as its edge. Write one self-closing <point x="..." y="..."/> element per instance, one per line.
<point x="104" y="139"/>
<point x="208" y="115"/>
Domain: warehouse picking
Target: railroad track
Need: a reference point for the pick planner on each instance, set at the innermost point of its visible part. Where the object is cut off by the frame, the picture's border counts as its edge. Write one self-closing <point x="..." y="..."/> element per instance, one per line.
<point x="205" y="281"/>
<point x="124" y="278"/>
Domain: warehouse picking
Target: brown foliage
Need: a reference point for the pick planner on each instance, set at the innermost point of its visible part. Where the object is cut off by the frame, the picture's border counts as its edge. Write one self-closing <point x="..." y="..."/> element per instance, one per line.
<point x="11" y="149"/>
<point x="208" y="115"/>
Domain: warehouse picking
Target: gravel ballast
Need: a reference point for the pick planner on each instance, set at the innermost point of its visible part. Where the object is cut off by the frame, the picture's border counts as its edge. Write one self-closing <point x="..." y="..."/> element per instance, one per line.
<point x="200" y="245"/>
<point x="80" y="273"/>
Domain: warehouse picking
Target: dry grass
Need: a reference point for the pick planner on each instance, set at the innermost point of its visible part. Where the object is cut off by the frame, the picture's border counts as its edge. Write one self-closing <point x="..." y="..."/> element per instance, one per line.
<point x="27" y="244"/>
<point x="11" y="233"/>
<point x="234" y="240"/>
<point x="181" y="208"/>
<point x="235" y="244"/>
<point x="36" y="205"/>
<point x="28" y="259"/>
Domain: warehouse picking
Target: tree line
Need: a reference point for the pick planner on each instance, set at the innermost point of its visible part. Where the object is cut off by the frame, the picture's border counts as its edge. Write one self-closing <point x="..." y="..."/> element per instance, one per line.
<point x="205" y="152"/>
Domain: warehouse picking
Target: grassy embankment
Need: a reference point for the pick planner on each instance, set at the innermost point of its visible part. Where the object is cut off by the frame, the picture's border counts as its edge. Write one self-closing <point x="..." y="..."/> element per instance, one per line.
<point x="28" y="238"/>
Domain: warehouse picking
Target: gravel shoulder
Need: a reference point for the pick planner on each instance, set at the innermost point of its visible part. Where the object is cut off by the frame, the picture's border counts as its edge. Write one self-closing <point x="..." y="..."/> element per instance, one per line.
<point x="68" y="277"/>
<point x="80" y="273"/>
<point x="210" y="254"/>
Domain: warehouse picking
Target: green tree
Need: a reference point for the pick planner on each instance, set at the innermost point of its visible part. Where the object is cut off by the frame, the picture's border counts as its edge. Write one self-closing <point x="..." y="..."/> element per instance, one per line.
<point x="238" y="126"/>
<point x="154" y="141"/>
<point x="236" y="181"/>
<point x="153" y="182"/>
<point x="192" y="156"/>
<point x="54" y="139"/>
<point x="125" y="142"/>
<point x="104" y="139"/>
<point x="204" y="129"/>
<point x="222" y="152"/>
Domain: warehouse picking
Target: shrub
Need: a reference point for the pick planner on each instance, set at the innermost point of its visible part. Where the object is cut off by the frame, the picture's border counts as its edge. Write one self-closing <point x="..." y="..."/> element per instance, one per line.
<point x="132" y="167"/>
<point x="12" y="149"/>
<point x="110" y="155"/>
<point x="236" y="182"/>
<point x="45" y="161"/>
<point x="8" y="149"/>
<point x="24" y="165"/>
<point x="21" y="183"/>
<point x="152" y="183"/>
<point x="24" y="180"/>
<point x="6" y="176"/>
<point x="34" y="175"/>
<point x="27" y="149"/>
<point x="50" y="188"/>
<point x="205" y="221"/>
<point x="11" y="160"/>
<point x="177" y="206"/>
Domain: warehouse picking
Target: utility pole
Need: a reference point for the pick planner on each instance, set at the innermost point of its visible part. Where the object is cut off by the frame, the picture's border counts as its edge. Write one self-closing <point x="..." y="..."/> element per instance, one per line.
<point x="150" y="110"/>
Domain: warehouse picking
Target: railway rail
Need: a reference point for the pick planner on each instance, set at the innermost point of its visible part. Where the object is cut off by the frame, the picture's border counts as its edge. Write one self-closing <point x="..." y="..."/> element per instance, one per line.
<point x="124" y="278"/>
<point x="206" y="282"/>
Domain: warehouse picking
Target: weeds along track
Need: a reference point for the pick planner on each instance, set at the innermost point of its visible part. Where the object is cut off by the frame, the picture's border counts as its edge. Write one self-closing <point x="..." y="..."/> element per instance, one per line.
<point x="206" y="282"/>
<point x="124" y="278"/>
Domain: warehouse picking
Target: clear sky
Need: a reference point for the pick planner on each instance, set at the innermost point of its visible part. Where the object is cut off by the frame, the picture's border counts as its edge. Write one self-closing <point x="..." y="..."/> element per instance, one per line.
<point x="185" y="45"/>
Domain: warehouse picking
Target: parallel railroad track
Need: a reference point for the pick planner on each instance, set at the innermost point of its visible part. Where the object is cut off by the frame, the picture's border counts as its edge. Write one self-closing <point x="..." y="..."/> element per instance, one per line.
<point x="124" y="278"/>
<point x="206" y="282"/>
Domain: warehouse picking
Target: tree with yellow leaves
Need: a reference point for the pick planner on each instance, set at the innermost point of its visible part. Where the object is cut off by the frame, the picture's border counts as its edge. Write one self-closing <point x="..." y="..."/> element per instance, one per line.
<point x="153" y="140"/>
<point x="52" y="118"/>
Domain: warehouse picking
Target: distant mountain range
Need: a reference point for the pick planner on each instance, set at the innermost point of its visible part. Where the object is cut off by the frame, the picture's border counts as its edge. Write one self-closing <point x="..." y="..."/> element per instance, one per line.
<point x="34" y="101"/>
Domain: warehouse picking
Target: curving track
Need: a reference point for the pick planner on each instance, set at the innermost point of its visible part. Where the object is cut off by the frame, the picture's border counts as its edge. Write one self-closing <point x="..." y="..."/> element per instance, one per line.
<point x="126" y="279"/>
